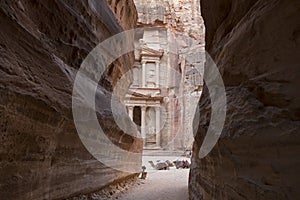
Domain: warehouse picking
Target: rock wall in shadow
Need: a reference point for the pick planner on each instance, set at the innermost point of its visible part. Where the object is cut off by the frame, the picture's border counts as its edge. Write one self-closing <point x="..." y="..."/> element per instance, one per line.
<point x="42" y="44"/>
<point x="255" y="45"/>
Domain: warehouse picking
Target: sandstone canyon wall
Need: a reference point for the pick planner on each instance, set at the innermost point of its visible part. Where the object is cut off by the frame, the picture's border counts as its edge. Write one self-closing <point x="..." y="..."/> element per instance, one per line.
<point x="42" y="44"/>
<point x="255" y="44"/>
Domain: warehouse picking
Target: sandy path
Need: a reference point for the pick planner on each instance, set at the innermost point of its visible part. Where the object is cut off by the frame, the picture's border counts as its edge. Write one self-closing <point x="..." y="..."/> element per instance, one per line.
<point x="160" y="185"/>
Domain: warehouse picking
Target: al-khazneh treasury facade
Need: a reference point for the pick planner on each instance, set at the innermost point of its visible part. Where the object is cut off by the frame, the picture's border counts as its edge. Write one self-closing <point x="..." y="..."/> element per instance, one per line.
<point x="168" y="71"/>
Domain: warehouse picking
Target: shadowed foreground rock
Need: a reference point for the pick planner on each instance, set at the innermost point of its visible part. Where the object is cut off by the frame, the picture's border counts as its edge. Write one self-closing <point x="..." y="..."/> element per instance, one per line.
<point x="42" y="44"/>
<point x="256" y="47"/>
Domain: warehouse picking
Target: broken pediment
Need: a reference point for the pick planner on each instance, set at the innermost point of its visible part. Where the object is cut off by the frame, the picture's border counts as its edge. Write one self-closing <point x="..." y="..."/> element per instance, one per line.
<point x="146" y="51"/>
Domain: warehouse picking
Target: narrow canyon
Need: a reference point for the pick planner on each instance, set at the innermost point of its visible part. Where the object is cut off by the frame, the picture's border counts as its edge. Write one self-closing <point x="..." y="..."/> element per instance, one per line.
<point x="167" y="108"/>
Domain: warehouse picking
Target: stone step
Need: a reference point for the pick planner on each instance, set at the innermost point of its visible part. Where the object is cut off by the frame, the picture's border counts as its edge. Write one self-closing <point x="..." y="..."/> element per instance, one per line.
<point x="160" y="152"/>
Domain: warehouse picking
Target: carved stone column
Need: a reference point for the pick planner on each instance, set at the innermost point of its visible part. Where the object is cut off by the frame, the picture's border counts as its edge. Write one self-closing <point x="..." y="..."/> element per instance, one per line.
<point x="130" y="112"/>
<point x="143" y="74"/>
<point x="157" y="117"/>
<point x="143" y="123"/>
<point x="157" y="73"/>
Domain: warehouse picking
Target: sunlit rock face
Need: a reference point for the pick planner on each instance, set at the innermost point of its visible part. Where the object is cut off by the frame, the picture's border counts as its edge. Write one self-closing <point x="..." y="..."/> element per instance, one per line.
<point x="256" y="47"/>
<point x="182" y="16"/>
<point x="42" y="44"/>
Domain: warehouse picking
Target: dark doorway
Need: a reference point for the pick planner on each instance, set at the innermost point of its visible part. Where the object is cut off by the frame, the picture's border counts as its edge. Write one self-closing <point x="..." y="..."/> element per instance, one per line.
<point x="137" y="116"/>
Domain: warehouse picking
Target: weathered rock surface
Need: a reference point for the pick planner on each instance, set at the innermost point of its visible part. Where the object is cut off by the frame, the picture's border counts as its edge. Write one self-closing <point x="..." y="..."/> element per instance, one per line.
<point x="180" y="16"/>
<point x="256" y="45"/>
<point x="42" y="44"/>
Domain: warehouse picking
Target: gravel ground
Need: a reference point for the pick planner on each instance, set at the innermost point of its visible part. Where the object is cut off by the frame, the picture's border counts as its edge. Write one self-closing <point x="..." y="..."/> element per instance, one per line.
<point x="159" y="185"/>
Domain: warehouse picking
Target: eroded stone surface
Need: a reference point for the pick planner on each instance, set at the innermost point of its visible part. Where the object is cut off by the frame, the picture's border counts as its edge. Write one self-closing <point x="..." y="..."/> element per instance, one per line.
<point x="256" y="46"/>
<point x="42" y="44"/>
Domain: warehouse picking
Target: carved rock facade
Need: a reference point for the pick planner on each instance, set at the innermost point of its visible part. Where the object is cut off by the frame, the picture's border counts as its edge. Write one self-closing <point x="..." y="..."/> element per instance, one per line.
<point x="168" y="69"/>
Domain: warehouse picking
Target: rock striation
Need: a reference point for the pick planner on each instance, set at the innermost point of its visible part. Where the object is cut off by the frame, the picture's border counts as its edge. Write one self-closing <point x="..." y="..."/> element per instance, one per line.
<point x="255" y="45"/>
<point x="42" y="44"/>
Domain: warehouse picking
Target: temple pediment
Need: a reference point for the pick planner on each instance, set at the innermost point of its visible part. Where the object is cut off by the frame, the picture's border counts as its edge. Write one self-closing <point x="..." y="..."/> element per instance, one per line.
<point x="133" y="95"/>
<point x="146" y="51"/>
<point x="136" y="94"/>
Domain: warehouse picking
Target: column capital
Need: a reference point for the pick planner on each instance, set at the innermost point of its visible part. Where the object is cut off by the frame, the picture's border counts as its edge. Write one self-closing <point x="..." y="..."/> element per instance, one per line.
<point x="143" y="108"/>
